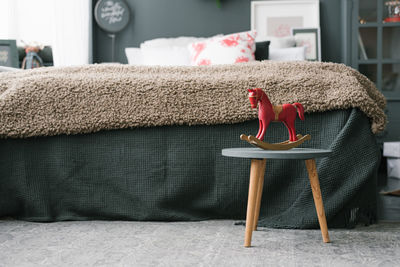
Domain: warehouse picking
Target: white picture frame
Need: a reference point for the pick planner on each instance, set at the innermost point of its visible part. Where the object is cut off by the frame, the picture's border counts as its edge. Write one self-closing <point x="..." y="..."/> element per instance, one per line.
<point x="311" y="39"/>
<point x="277" y="18"/>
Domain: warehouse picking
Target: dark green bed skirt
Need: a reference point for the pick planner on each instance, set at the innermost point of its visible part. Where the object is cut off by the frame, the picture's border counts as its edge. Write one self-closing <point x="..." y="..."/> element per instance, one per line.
<point x="175" y="173"/>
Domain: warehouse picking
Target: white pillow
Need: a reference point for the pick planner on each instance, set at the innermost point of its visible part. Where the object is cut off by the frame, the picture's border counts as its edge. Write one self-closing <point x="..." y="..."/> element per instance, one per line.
<point x="168" y="51"/>
<point x="165" y="56"/>
<point x="228" y="49"/>
<point x="287" y="54"/>
<point x="282" y="42"/>
<point x="134" y="55"/>
<point x="170" y="42"/>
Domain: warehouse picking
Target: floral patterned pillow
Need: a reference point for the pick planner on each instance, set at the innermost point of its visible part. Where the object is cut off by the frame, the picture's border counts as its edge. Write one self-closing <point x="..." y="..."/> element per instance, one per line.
<point x="228" y="49"/>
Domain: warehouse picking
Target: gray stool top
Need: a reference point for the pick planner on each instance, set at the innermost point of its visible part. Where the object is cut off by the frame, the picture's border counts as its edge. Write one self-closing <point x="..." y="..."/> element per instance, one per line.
<point x="258" y="153"/>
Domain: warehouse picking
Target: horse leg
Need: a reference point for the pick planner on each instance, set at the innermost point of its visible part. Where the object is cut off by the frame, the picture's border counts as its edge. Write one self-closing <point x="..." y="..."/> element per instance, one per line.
<point x="292" y="130"/>
<point x="289" y="131"/>
<point x="294" y="135"/>
<point x="260" y="126"/>
<point x="264" y="129"/>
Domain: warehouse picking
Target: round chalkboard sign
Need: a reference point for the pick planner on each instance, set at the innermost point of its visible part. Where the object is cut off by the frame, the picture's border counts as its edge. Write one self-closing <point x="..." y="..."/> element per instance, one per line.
<point x="111" y="15"/>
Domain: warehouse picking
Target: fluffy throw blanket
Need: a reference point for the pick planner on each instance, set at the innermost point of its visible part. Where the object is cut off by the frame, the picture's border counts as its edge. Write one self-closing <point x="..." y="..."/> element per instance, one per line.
<point x="84" y="99"/>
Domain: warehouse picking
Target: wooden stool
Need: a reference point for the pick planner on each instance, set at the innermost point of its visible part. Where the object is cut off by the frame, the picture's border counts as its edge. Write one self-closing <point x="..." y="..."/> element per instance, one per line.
<point x="258" y="160"/>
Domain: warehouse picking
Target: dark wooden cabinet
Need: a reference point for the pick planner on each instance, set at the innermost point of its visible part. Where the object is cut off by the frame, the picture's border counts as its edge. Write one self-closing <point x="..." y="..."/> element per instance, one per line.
<point x="372" y="46"/>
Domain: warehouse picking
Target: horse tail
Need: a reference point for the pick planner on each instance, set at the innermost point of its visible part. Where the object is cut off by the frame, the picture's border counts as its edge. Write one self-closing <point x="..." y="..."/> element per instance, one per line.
<point x="300" y="110"/>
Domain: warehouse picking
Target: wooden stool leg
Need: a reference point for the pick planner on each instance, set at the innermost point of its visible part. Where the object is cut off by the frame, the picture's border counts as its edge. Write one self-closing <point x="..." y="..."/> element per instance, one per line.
<point x="256" y="166"/>
<point x="316" y="190"/>
<point x="259" y="193"/>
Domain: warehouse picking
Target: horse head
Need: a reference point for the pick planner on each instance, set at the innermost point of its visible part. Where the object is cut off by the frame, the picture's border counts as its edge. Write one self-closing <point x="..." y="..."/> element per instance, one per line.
<point x="254" y="96"/>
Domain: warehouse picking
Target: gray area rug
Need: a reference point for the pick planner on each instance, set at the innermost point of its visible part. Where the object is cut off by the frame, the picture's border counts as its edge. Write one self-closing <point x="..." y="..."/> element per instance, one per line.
<point x="207" y="243"/>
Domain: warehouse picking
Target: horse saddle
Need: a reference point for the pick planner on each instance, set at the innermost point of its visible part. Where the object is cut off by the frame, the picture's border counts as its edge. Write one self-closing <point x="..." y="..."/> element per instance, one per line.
<point x="277" y="110"/>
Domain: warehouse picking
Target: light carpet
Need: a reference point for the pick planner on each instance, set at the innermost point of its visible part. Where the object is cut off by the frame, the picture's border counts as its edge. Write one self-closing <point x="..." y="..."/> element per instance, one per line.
<point x="207" y="243"/>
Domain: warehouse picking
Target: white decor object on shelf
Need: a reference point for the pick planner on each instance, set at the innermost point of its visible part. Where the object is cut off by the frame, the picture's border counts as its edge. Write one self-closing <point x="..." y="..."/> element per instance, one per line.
<point x="277" y="18"/>
<point x="391" y="150"/>
<point x="393" y="167"/>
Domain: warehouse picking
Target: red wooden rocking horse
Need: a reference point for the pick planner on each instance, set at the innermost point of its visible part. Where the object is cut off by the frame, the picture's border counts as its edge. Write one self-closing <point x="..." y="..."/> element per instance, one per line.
<point x="268" y="113"/>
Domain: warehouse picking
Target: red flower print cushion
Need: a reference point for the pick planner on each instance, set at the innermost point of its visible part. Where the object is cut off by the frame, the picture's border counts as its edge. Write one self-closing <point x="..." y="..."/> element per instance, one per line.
<point x="228" y="49"/>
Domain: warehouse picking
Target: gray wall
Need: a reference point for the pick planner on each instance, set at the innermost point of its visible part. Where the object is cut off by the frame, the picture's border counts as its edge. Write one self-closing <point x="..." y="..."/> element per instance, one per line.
<point x="170" y="18"/>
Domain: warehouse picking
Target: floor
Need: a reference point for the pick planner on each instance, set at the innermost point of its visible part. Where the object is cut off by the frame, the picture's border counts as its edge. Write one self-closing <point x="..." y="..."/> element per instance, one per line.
<point x="207" y="243"/>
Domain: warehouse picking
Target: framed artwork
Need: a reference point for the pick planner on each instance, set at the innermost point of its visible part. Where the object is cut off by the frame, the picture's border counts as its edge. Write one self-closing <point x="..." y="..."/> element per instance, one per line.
<point x="310" y="38"/>
<point x="9" y="53"/>
<point x="277" y="18"/>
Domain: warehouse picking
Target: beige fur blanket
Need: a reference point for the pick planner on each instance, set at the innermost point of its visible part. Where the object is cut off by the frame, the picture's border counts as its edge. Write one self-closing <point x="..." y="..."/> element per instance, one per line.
<point x="84" y="99"/>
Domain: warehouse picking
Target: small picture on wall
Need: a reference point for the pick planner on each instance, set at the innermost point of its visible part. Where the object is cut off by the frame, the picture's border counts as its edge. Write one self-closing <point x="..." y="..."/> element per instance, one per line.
<point x="282" y="26"/>
<point x="8" y="53"/>
<point x="310" y="38"/>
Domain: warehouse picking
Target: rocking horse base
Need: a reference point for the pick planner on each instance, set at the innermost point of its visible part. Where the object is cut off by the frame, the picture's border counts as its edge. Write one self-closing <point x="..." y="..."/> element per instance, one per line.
<point x="286" y="145"/>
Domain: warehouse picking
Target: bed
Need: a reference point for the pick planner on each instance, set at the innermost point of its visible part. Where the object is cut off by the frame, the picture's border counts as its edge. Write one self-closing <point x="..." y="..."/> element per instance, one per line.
<point x="156" y="155"/>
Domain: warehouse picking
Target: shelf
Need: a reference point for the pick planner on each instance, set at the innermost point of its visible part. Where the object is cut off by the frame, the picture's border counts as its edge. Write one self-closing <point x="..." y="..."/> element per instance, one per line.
<point x="369" y="24"/>
<point x="391" y="24"/>
<point x="368" y="61"/>
<point x="373" y="49"/>
<point x="376" y="61"/>
<point x="391" y="96"/>
<point x="390" y="61"/>
<point x="392" y="99"/>
<point x="378" y="24"/>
